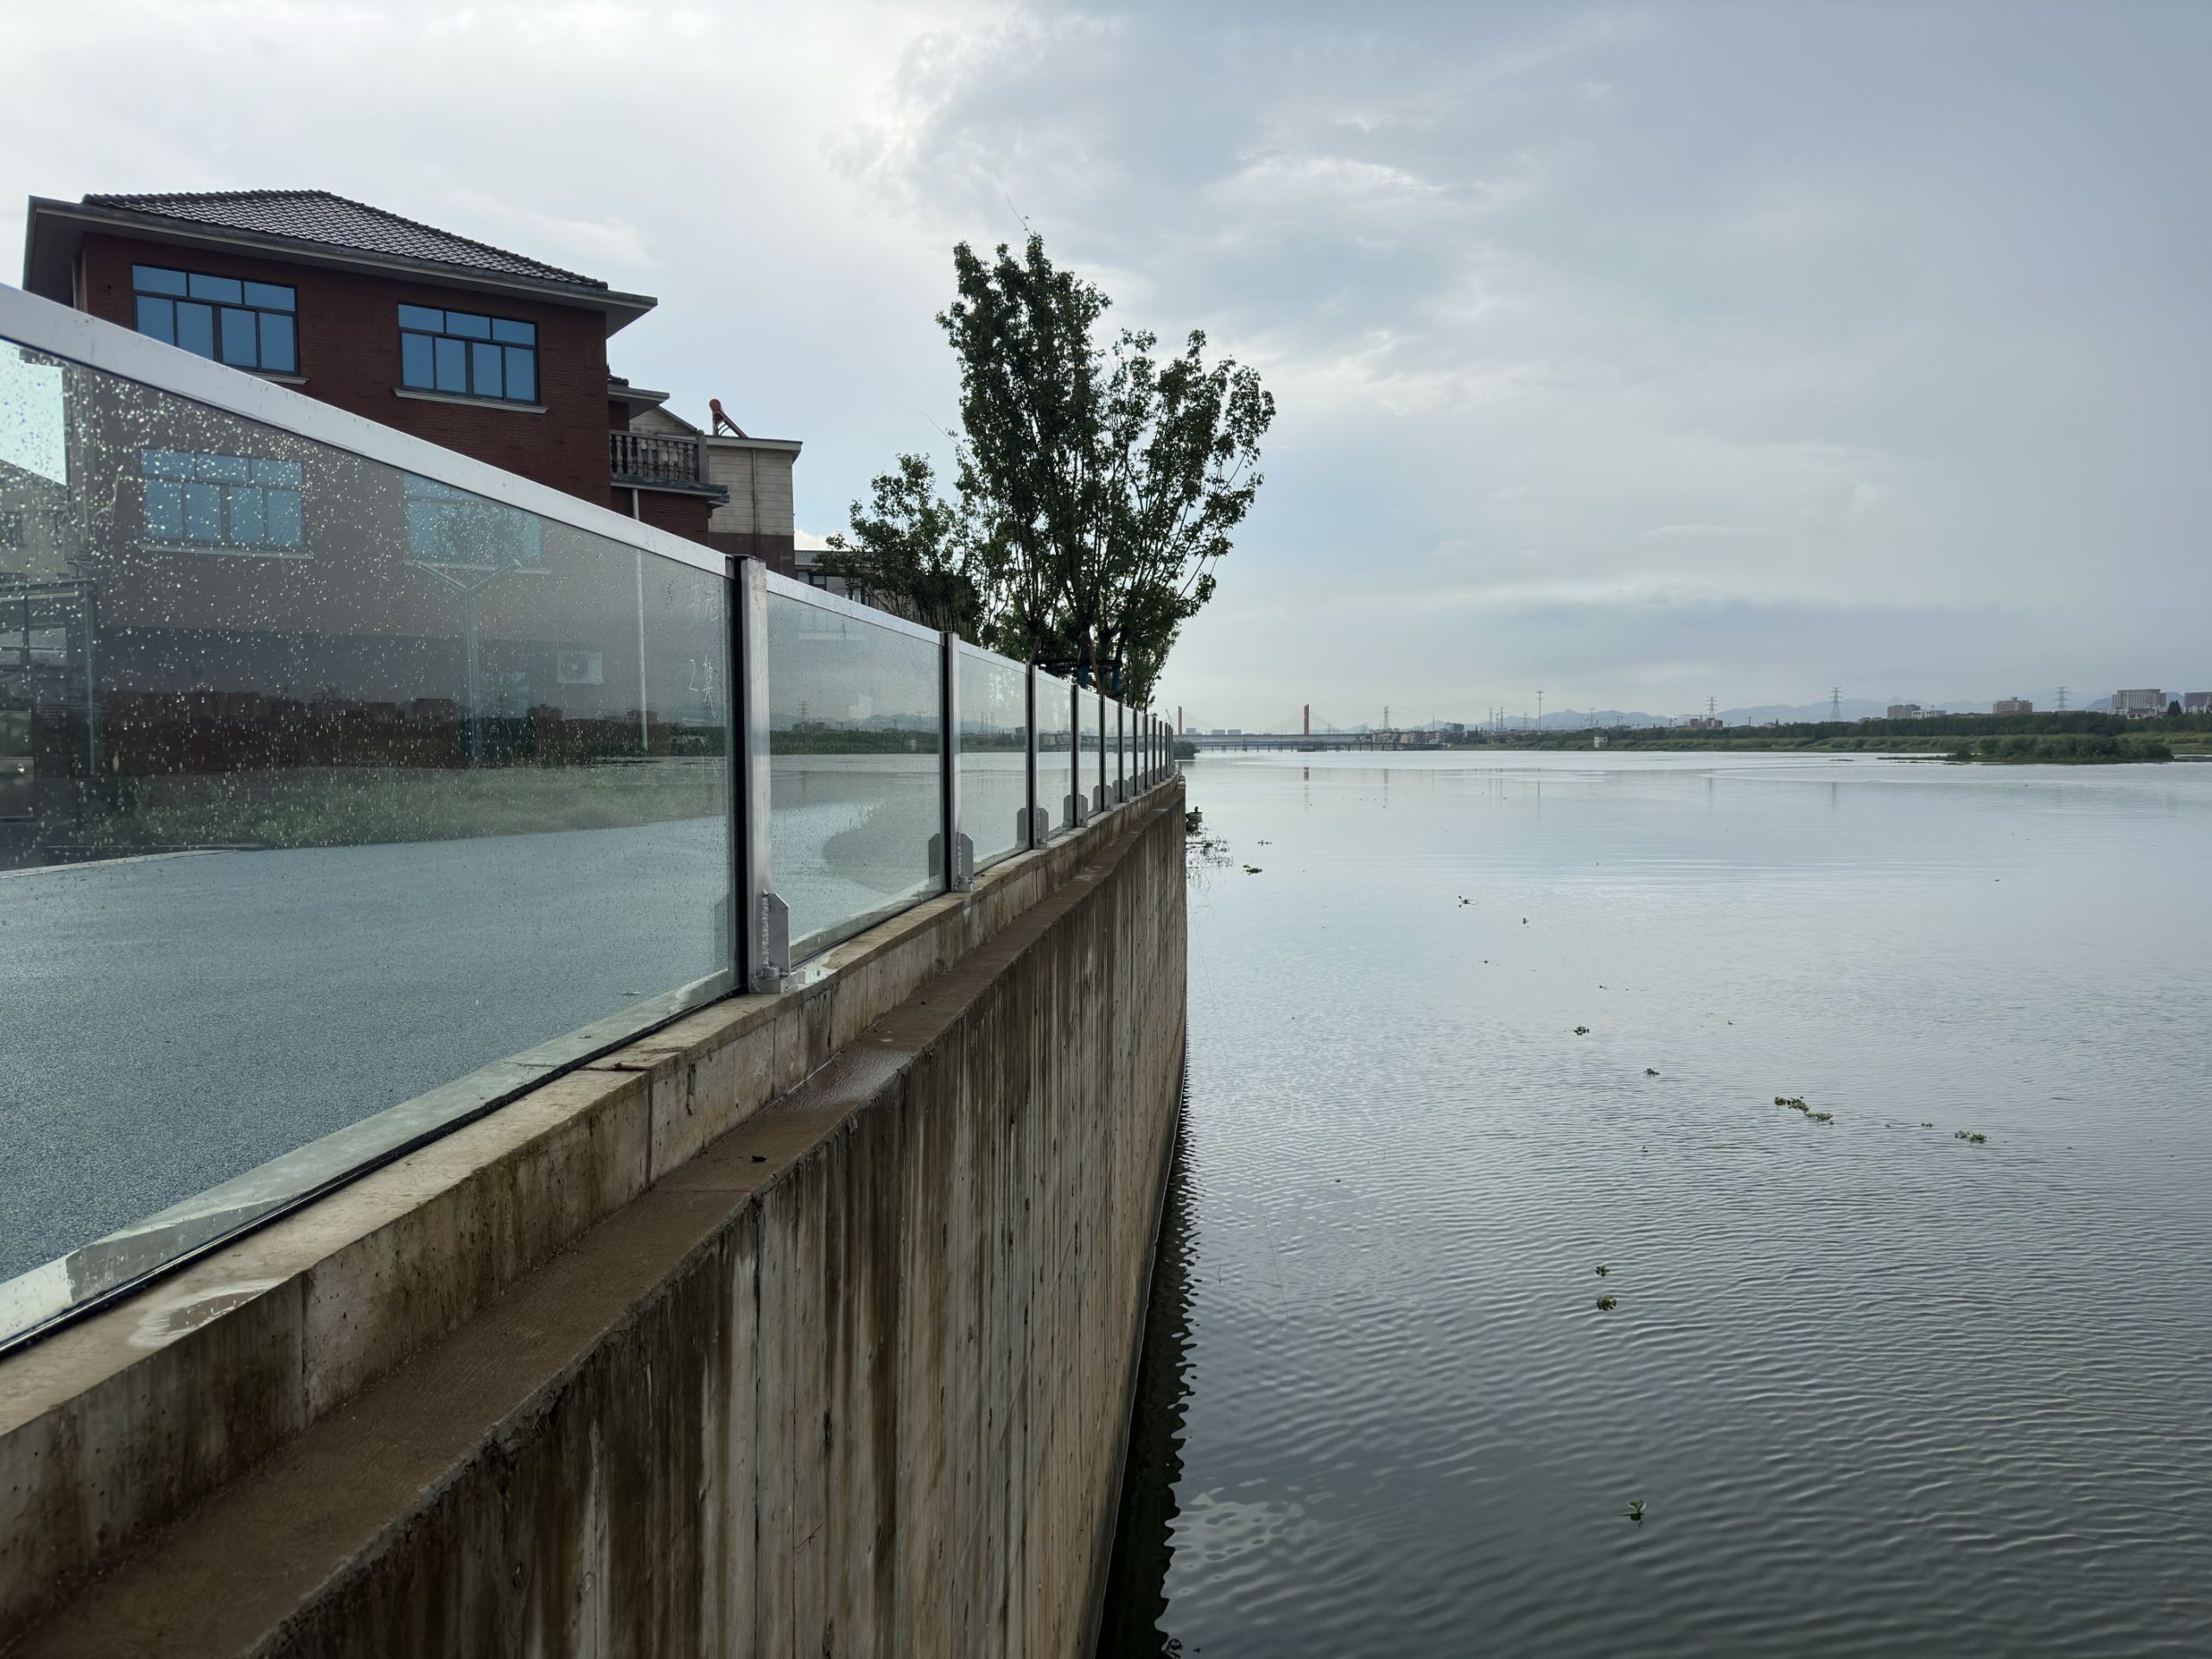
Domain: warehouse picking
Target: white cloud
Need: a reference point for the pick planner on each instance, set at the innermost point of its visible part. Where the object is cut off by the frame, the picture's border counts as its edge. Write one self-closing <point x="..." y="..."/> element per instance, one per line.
<point x="1634" y="346"/>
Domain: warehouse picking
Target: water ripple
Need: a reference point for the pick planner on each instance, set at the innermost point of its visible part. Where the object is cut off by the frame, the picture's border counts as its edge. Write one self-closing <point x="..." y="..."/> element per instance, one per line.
<point x="1884" y="1390"/>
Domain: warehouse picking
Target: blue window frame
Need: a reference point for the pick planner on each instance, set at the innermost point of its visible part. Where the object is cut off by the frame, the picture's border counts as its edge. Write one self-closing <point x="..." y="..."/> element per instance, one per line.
<point x="464" y="354"/>
<point x="247" y="325"/>
<point x="222" y="504"/>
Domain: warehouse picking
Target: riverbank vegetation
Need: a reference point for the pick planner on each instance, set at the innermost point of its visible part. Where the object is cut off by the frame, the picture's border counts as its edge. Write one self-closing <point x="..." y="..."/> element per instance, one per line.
<point x="2072" y="738"/>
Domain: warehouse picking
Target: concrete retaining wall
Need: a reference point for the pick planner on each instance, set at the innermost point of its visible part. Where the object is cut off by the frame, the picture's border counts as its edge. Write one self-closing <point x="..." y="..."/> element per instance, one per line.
<point x="842" y="1372"/>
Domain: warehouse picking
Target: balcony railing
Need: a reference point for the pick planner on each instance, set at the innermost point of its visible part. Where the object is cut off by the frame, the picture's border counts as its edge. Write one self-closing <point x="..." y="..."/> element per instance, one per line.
<point x="660" y="461"/>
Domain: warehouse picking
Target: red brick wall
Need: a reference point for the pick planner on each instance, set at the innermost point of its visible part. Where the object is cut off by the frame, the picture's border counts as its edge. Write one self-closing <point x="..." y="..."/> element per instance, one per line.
<point x="669" y="510"/>
<point x="349" y="355"/>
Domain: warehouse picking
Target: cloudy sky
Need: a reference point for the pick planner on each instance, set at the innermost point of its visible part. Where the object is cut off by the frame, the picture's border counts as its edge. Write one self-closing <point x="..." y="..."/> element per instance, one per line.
<point x="1638" y="353"/>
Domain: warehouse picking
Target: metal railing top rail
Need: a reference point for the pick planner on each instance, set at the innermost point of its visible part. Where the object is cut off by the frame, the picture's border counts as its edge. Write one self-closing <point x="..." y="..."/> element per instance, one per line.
<point x="78" y="337"/>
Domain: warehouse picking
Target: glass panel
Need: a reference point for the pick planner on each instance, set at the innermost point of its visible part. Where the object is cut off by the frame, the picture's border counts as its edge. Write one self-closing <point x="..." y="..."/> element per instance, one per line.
<point x="425" y="846"/>
<point x="276" y="343"/>
<point x="522" y="375"/>
<point x="993" y="754"/>
<point x="224" y="291"/>
<point x="164" y="509"/>
<point x="453" y="364"/>
<point x="1086" y="707"/>
<point x="268" y="295"/>
<point x="514" y="334"/>
<point x="485" y="361"/>
<point x="246" y="517"/>
<point x="462" y="322"/>
<point x="195" y="329"/>
<point x="241" y="347"/>
<point x="415" y="368"/>
<point x="854" y="791"/>
<point x="284" y="517"/>
<point x="156" y="279"/>
<point x="158" y="318"/>
<point x="423" y="317"/>
<point x="1055" y="753"/>
<point x="203" y="513"/>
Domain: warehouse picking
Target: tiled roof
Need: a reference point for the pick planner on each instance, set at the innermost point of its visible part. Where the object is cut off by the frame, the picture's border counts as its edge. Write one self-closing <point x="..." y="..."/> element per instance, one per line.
<point x="337" y="221"/>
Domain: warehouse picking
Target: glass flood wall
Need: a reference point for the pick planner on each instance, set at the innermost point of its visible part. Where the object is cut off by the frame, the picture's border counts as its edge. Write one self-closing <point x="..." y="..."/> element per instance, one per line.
<point x="1087" y="748"/>
<point x="322" y="786"/>
<point x="1056" y="754"/>
<point x="349" y="788"/>
<point x="994" y="705"/>
<point x="855" y="783"/>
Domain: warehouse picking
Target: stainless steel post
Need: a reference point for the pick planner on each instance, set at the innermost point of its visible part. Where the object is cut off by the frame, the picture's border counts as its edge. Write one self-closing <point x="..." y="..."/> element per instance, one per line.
<point x="957" y="860"/>
<point x="1032" y="833"/>
<point x="767" y="932"/>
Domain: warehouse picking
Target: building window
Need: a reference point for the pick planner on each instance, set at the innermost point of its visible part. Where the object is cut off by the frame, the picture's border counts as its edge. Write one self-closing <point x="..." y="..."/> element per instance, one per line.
<point x="468" y="355"/>
<point x="230" y="504"/>
<point x="247" y="325"/>
<point x="455" y="530"/>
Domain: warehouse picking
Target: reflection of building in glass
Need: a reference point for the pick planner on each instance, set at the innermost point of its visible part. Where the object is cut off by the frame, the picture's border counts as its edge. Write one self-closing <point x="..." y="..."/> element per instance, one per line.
<point x="186" y="595"/>
<point x="454" y="528"/>
<point x="234" y="504"/>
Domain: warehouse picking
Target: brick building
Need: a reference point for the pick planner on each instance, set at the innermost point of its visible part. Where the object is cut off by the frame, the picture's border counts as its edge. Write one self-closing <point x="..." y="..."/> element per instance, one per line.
<point x="494" y="354"/>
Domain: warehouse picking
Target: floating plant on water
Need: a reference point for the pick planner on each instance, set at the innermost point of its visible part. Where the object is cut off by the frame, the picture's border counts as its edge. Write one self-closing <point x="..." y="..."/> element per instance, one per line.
<point x="1582" y="1031"/>
<point x="1603" y="1269"/>
<point x="1635" y="1511"/>
<point x="1607" y="1303"/>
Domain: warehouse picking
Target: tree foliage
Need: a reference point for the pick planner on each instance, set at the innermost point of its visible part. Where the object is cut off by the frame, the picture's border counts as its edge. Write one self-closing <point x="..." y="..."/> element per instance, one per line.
<point x="911" y="552"/>
<point x="1097" y="484"/>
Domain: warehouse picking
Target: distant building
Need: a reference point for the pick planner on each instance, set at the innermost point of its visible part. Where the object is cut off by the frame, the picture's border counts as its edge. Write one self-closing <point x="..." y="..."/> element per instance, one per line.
<point x="1703" y="723"/>
<point x="2139" y="703"/>
<point x="2197" y="702"/>
<point x="1905" y="711"/>
<point x="2011" y="706"/>
<point x="1599" y="740"/>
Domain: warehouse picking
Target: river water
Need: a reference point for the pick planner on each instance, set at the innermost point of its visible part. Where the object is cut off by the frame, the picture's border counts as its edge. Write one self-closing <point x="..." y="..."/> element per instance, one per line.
<point x="1880" y="1390"/>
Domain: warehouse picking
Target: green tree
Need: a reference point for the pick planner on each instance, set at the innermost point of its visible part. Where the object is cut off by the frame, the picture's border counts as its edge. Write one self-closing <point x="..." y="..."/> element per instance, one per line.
<point x="1105" y="483"/>
<point x="913" y="552"/>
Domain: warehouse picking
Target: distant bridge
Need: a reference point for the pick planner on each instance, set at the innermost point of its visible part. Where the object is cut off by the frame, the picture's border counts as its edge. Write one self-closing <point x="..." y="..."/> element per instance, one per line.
<point x="1320" y="737"/>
